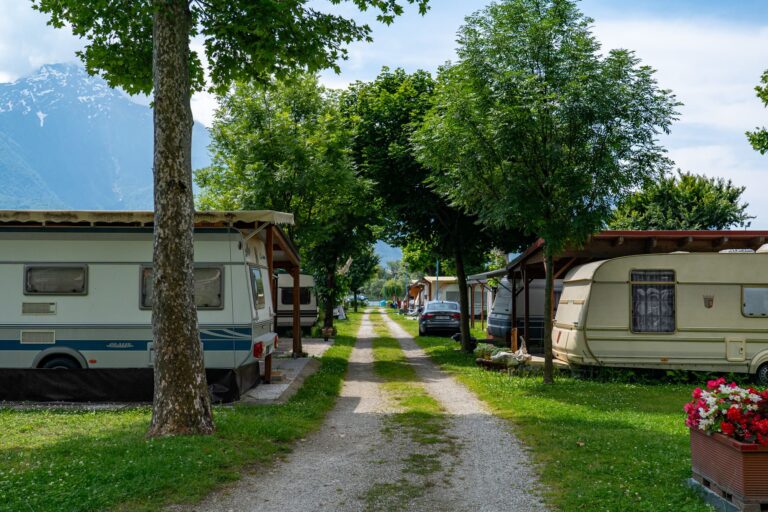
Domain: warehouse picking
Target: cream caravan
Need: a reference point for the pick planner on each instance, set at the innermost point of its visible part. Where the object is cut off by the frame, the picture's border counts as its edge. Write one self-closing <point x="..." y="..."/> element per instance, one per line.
<point x="694" y="311"/>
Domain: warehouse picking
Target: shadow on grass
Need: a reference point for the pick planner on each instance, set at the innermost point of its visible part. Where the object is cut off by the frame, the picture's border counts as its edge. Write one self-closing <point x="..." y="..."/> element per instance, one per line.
<point x="86" y="460"/>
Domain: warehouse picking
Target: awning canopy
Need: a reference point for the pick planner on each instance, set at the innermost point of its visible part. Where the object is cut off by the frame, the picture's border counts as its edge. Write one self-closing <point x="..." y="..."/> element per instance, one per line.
<point x="100" y="218"/>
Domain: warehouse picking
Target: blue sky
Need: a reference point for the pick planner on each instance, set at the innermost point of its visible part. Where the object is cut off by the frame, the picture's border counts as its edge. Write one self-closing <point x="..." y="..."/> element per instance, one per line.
<point x="711" y="53"/>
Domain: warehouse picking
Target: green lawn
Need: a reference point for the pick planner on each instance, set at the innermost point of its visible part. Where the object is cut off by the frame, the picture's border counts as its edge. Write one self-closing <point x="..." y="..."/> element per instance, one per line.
<point x="598" y="446"/>
<point x="53" y="460"/>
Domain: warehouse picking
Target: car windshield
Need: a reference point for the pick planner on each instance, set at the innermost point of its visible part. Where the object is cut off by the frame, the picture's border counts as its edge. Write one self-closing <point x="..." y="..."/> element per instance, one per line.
<point x="442" y="306"/>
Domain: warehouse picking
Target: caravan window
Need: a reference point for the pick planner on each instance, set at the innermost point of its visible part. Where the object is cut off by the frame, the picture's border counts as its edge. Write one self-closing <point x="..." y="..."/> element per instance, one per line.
<point x="209" y="288"/>
<point x="55" y="280"/>
<point x="653" y="300"/>
<point x="754" y="301"/>
<point x="257" y="286"/>
<point x="286" y="295"/>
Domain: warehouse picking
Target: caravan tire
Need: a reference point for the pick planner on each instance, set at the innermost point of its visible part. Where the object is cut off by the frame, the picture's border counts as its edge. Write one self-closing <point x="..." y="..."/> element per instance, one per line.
<point x="60" y="363"/>
<point x="761" y="375"/>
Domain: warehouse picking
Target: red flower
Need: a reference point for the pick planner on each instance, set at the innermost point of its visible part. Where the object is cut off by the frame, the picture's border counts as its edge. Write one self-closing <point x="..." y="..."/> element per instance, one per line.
<point x="714" y="384"/>
<point x="727" y="429"/>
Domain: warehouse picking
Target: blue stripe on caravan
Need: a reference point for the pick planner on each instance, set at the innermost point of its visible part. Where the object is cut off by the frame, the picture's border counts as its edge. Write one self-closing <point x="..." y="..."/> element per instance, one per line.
<point x="116" y="345"/>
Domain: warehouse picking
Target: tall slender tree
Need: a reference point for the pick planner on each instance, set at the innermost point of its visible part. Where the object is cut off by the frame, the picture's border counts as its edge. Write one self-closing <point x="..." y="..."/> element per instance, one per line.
<point x="286" y="147"/>
<point x="534" y="128"/>
<point x="144" y="46"/>
<point x="384" y="115"/>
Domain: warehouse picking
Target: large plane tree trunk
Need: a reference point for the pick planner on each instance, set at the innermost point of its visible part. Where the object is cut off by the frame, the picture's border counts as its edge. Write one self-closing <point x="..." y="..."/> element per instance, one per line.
<point x="461" y="276"/>
<point x="549" y="284"/>
<point x="181" y="403"/>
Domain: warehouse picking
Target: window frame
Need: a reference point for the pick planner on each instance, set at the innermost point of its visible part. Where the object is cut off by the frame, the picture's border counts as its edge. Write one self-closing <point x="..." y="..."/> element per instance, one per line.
<point x="29" y="266"/>
<point x="672" y="283"/>
<point x="284" y="289"/>
<point x="263" y="271"/>
<point x="743" y="286"/>
<point x="222" y="287"/>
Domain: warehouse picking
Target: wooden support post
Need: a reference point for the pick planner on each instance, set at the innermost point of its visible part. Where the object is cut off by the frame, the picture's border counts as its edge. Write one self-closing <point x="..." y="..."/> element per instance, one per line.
<point x="268" y="369"/>
<point x="513" y="320"/>
<point x="526" y="307"/>
<point x="297" y="348"/>
<point x="482" y="309"/>
<point x="472" y="305"/>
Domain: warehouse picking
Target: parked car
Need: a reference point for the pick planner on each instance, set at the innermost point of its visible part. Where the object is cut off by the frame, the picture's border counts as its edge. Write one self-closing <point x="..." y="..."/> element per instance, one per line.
<point x="440" y="316"/>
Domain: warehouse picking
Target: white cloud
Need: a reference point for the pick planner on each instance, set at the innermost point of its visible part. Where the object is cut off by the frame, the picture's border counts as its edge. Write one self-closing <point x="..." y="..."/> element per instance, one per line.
<point x="712" y="68"/>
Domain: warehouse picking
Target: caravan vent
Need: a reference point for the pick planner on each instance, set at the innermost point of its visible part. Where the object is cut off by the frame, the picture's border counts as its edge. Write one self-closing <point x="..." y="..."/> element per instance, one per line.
<point x="38" y="337"/>
<point x="38" y="308"/>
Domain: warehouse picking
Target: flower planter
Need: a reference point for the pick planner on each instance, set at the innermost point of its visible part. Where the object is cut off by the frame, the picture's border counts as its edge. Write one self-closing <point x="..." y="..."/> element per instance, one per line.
<point x="735" y="471"/>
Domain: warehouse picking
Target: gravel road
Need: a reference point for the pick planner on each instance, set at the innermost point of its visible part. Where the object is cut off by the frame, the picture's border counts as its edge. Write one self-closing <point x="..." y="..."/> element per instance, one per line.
<point x="357" y="460"/>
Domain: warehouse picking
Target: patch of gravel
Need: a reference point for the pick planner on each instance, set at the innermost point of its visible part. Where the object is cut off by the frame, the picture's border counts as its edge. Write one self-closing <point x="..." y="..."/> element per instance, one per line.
<point x="493" y="471"/>
<point x="332" y="469"/>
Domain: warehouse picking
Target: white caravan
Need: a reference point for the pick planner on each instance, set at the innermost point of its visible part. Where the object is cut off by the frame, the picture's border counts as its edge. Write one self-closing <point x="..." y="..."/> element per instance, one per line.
<point x="77" y="289"/>
<point x="307" y="301"/>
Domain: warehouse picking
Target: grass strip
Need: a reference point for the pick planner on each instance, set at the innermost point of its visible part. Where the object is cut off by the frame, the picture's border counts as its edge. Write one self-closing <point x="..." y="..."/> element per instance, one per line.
<point x="53" y="460"/>
<point x="420" y="417"/>
<point x="598" y="446"/>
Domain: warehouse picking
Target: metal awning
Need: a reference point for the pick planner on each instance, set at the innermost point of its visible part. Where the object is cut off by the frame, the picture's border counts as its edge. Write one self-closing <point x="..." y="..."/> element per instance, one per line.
<point x="103" y="218"/>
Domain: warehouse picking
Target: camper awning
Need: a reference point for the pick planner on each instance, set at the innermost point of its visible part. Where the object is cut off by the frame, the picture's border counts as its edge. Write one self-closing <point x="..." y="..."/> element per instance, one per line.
<point x="237" y="219"/>
<point x="483" y="277"/>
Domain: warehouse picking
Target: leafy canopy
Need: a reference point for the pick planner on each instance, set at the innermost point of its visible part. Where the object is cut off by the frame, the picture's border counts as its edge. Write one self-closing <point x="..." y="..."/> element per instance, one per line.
<point x="242" y="39"/>
<point x="686" y="201"/>
<point x="759" y="137"/>
<point x="533" y="127"/>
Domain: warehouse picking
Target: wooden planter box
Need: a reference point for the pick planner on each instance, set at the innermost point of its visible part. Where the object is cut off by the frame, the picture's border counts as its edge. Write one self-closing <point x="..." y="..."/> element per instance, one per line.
<point x="735" y="471"/>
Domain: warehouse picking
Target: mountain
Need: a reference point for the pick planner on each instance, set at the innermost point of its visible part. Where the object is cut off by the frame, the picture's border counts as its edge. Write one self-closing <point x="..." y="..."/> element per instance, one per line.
<point x="387" y="253"/>
<point x="69" y="141"/>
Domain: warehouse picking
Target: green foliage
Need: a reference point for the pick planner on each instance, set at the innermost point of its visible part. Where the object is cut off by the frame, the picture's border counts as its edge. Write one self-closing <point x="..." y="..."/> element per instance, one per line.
<point x="759" y="137"/>
<point x="685" y="201"/>
<point x="84" y="460"/>
<point x="533" y="127"/>
<point x="285" y="147"/>
<point x="243" y="40"/>
<point x="362" y="269"/>
<point x="393" y="287"/>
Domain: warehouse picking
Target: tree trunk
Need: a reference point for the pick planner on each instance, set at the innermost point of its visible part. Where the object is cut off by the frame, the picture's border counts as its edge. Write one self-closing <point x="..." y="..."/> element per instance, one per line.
<point x="181" y="402"/>
<point x="549" y="284"/>
<point x="354" y="300"/>
<point x="461" y="276"/>
<point x="330" y="296"/>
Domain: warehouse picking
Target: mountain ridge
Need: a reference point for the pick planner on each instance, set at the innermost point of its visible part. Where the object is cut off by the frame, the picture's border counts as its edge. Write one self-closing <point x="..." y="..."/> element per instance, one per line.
<point x="69" y="141"/>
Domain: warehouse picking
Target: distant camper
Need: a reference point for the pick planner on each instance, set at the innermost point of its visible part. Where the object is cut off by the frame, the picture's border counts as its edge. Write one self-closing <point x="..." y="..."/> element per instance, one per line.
<point x="307" y="300"/>
<point x="700" y="311"/>
<point x="500" y="318"/>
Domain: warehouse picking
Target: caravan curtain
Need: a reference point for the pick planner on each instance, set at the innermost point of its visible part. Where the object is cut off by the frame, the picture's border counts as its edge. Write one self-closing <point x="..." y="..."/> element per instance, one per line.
<point x="653" y="300"/>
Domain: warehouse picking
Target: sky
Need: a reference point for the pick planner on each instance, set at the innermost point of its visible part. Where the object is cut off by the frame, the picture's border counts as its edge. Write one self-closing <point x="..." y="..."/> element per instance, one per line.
<point x="710" y="53"/>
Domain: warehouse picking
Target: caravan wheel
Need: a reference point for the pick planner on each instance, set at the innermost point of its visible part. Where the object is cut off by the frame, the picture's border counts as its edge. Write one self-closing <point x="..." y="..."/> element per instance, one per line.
<point x="761" y="375"/>
<point x="60" y="363"/>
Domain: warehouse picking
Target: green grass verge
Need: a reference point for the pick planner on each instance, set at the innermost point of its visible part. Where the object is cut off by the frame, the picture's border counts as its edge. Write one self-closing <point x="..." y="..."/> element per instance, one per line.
<point x="599" y="446"/>
<point x="53" y="460"/>
<point x="419" y="416"/>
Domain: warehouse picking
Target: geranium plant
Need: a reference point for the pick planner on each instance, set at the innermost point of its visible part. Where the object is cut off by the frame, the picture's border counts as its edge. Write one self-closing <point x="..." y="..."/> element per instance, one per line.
<point x="740" y="413"/>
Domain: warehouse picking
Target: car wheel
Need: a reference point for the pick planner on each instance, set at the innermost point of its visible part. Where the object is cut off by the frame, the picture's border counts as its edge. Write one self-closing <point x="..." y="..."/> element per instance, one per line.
<point x="422" y="330"/>
<point x="61" y="363"/>
<point x="761" y="375"/>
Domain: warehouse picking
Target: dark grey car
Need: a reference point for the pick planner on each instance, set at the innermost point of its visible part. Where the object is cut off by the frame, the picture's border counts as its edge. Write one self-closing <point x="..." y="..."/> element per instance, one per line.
<point x="440" y="316"/>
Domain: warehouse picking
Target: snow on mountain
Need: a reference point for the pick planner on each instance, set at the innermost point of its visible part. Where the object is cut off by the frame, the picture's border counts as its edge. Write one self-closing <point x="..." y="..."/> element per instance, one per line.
<point x="68" y="140"/>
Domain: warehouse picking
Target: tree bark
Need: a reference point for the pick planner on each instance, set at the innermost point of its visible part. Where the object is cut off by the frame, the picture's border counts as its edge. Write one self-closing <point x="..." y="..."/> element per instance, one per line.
<point x="461" y="276"/>
<point x="330" y="296"/>
<point x="181" y="403"/>
<point x="549" y="284"/>
<point x="354" y="301"/>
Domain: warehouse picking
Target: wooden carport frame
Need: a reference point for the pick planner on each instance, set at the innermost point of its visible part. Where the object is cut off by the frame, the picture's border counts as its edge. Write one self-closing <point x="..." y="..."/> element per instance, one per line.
<point x="282" y="254"/>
